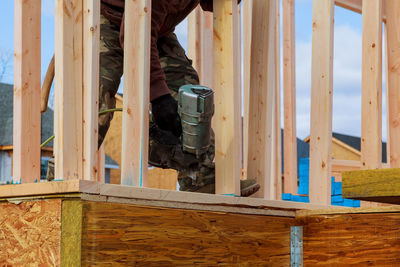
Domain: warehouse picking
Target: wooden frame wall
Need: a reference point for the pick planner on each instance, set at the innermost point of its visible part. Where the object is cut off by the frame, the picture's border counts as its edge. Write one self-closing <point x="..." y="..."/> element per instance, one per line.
<point x="135" y="118"/>
<point x="26" y="128"/>
<point x="321" y="102"/>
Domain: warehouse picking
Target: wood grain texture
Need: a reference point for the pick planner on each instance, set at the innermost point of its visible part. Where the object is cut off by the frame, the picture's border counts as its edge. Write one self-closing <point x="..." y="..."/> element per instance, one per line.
<point x="321" y="102"/>
<point x="30" y="233"/>
<point x="371" y="94"/>
<point x="68" y="81"/>
<point x="121" y="235"/>
<point x="135" y="115"/>
<point x="262" y="98"/>
<point x="351" y="240"/>
<point x="26" y="108"/>
<point x="71" y="236"/>
<point x="381" y="185"/>
<point x="91" y="70"/>
<point x="392" y="32"/>
<point x="227" y="119"/>
<point x="289" y="97"/>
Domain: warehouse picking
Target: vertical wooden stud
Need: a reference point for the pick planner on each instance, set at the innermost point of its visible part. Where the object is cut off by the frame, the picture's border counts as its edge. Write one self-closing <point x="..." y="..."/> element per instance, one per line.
<point x="26" y="133"/>
<point x="371" y="95"/>
<point x="321" y="101"/>
<point x="392" y="32"/>
<point x="135" y="117"/>
<point x="100" y="164"/>
<point x="289" y="96"/>
<point x="278" y="150"/>
<point x="68" y="89"/>
<point x="227" y="98"/>
<point x="194" y="38"/>
<point x="247" y="21"/>
<point x="91" y="42"/>
<point x="262" y="97"/>
<point x="207" y="70"/>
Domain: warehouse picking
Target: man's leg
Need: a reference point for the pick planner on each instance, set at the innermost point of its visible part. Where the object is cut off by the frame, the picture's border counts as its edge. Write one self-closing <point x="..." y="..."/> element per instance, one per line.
<point x="179" y="71"/>
<point x="111" y="70"/>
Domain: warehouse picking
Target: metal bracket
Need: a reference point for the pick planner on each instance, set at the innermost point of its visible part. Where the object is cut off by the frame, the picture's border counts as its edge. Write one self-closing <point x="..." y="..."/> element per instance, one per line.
<point x="296" y="246"/>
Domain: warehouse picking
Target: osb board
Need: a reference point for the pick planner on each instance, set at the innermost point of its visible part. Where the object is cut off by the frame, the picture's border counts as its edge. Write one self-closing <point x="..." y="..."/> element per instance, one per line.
<point x="121" y="235"/>
<point x="30" y="233"/>
<point x="382" y="185"/>
<point x="351" y="239"/>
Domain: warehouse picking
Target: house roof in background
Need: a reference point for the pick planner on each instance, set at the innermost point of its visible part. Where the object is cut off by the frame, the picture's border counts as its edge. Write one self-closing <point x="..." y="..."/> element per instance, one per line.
<point x="47" y="118"/>
<point x="355" y="142"/>
<point x="6" y="118"/>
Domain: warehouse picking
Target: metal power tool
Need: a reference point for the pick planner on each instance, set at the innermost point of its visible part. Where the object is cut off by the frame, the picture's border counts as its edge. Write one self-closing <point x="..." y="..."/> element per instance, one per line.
<point x="196" y="108"/>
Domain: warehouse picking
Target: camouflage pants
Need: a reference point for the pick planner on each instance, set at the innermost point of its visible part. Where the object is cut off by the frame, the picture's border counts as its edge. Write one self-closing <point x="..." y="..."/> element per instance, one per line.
<point x="178" y="71"/>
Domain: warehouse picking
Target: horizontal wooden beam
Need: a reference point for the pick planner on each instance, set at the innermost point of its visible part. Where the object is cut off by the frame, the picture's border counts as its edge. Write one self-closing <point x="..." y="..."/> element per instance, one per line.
<point x="356" y="6"/>
<point x="382" y="185"/>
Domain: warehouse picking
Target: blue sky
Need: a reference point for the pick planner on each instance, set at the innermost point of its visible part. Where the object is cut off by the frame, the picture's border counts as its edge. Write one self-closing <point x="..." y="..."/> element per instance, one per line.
<point x="347" y="61"/>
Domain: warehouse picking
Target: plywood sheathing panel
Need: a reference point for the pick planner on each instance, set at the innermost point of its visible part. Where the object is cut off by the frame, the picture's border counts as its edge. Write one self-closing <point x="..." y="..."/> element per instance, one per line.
<point x="30" y="233"/>
<point x="142" y="236"/>
<point x="381" y="185"/>
<point x="351" y="240"/>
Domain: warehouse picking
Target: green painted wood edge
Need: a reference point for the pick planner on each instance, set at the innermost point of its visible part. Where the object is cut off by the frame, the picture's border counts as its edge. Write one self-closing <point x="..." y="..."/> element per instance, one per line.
<point x="371" y="183"/>
<point x="71" y="233"/>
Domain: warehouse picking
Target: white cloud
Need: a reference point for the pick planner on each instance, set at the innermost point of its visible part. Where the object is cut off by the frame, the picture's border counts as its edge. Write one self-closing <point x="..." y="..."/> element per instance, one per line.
<point x="346" y="83"/>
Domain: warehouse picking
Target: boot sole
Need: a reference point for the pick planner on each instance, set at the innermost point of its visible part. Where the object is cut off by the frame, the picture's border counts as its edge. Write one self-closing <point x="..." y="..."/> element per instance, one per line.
<point x="248" y="191"/>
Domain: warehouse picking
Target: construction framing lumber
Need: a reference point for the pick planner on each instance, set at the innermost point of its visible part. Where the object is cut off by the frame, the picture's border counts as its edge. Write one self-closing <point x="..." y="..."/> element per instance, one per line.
<point x="371" y="93"/>
<point x="247" y="8"/>
<point x="68" y="78"/>
<point x="392" y="31"/>
<point x="277" y="171"/>
<point x="321" y="102"/>
<point x="381" y="185"/>
<point x="91" y="62"/>
<point x="100" y="164"/>
<point x="135" y="117"/>
<point x="289" y="97"/>
<point x="262" y="98"/>
<point x="227" y="98"/>
<point x="195" y="39"/>
<point x="26" y="109"/>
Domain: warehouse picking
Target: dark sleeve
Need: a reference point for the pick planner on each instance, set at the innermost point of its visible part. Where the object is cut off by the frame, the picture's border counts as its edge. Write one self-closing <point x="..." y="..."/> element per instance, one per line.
<point x="207" y="5"/>
<point x="158" y="85"/>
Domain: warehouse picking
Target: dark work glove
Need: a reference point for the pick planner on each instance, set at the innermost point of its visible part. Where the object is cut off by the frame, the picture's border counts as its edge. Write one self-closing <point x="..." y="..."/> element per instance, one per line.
<point x="165" y="114"/>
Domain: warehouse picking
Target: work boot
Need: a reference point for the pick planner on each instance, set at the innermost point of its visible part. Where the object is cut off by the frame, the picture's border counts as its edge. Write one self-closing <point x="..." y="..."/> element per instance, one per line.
<point x="165" y="151"/>
<point x="247" y="187"/>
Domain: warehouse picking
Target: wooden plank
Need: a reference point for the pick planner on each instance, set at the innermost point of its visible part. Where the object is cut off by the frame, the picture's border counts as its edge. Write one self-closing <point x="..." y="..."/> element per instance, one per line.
<point x="195" y="39"/>
<point x="30" y="233"/>
<point x="381" y="185"/>
<point x="371" y="96"/>
<point x="356" y="6"/>
<point x="277" y="126"/>
<point x="68" y="147"/>
<point x="351" y="240"/>
<point x="40" y="189"/>
<point x="26" y="109"/>
<point x="91" y="50"/>
<point x="71" y="235"/>
<point x="262" y="97"/>
<point x="321" y="102"/>
<point x="247" y="22"/>
<point x="100" y="164"/>
<point x="207" y="50"/>
<point x="227" y="99"/>
<point x="174" y="237"/>
<point x="289" y="98"/>
<point x="392" y="32"/>
<point x="135" y="117"/>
